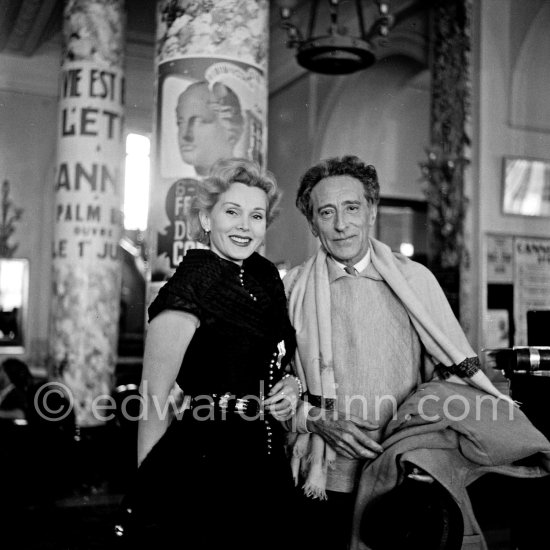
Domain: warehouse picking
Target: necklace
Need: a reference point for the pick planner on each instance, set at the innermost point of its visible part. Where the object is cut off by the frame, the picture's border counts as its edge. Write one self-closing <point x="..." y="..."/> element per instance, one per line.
<point x="241" y="275"/>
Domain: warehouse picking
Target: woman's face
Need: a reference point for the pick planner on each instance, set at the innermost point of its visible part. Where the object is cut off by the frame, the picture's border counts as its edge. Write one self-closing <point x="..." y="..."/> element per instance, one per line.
<point x="202" y="139"/>
<point x="237" y="222"/>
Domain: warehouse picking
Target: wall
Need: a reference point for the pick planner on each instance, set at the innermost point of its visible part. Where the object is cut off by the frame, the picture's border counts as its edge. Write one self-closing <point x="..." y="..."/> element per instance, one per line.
<point x="291" y="115"/>
<point x="28" y="122"/>
<point x="28" y="118"/>
<point x="381" y="115"/>
<point x="513" y="112"/>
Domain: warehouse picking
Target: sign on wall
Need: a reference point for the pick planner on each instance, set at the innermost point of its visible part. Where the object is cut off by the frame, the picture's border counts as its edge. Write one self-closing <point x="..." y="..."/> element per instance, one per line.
<point x="531" y="281"/>
<point x="518" y="282"/>
<point x="500" y="255"/>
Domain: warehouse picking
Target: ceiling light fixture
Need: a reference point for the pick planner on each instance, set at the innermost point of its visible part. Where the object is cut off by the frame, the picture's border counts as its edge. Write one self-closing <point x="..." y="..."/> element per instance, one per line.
<point x="337" y="51"/>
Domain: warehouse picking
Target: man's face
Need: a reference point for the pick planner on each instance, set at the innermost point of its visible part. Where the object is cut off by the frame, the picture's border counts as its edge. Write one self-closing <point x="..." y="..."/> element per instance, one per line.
<point x="202" y="140"/>
<point x="342" y="218"/>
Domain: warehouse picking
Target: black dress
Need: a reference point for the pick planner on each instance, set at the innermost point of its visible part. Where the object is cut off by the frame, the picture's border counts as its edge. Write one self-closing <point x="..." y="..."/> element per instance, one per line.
<point x="211" y="481"/>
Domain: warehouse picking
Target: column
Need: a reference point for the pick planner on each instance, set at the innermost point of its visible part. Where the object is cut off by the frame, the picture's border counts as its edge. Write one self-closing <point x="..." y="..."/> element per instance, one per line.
<point x="445" y="169"/>
<point x="88" y="200"/>
<point x="211" y="103"/>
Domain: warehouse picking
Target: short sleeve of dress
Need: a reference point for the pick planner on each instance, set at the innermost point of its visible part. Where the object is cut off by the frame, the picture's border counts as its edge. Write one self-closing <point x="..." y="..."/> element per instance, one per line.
<point x="184" y="299"/>
<point x="181" y="292"/>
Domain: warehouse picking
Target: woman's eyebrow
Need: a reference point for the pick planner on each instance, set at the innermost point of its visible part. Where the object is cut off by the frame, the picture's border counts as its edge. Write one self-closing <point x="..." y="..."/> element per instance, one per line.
<point x="230" y="203"/>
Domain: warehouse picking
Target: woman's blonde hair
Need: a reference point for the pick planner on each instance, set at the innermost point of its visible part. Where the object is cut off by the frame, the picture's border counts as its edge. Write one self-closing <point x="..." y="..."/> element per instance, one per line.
<point x="222" y="174"/>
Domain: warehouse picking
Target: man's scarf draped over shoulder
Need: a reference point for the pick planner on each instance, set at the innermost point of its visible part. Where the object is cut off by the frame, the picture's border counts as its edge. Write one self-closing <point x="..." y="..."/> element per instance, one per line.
<point x="308" y="294"/>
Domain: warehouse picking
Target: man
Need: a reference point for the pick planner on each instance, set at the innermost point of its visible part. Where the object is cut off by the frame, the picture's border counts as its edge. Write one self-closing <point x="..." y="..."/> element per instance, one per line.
<point x="370" y="326"/>
<point x="210" y="124"/>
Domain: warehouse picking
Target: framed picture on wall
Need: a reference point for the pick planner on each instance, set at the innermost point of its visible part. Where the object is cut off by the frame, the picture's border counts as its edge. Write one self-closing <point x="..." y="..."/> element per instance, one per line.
<point x="526" y="186"/>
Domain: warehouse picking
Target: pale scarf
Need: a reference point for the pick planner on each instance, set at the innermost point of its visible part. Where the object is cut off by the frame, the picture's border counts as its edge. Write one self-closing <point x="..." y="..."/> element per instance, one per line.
<point x="308" y="292"/>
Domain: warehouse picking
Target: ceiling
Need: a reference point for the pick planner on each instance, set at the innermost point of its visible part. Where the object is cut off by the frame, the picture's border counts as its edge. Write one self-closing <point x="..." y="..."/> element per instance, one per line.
<point x="27" y="24"/>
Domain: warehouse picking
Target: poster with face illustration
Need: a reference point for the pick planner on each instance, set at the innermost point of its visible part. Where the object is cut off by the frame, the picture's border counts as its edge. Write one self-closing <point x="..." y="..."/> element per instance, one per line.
<point x="211" y="103"/>
<point x="208" y="109"/>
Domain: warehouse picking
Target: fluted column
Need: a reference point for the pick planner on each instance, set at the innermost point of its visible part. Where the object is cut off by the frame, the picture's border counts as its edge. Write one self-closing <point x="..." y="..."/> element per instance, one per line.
<point x="211" y="94"/>
<point x="88" y="200"/>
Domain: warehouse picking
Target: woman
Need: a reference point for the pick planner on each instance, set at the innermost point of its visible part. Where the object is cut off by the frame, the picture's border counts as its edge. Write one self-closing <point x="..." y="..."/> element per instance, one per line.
<point x="218" y="475"/>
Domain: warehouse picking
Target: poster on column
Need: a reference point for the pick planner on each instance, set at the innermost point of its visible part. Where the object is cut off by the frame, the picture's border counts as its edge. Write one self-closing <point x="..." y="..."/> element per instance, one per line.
<point x="531" y="281"/>
<point x="87" y="179"/>
<point x="211" y="104"/>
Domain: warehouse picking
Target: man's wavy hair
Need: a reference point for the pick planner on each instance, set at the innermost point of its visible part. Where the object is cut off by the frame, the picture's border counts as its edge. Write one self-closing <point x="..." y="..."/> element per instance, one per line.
<point x="348" y="165"/>
<point x="222" y="174"/>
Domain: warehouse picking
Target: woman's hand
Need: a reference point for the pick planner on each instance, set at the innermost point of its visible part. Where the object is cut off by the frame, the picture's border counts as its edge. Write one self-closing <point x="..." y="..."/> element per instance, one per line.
<point x="283" y="398"/>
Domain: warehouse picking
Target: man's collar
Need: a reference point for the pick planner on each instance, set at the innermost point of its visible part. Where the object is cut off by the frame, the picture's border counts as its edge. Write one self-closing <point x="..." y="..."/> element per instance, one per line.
<point x="336" y="269"/>
<point x="360" y="265"/>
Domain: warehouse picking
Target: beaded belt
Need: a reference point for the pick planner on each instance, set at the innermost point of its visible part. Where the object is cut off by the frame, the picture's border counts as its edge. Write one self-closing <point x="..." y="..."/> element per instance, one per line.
<point x="248" y="406"/>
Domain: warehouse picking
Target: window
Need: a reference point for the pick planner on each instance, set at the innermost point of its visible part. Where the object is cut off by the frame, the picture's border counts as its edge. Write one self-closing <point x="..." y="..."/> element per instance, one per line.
<point x="136" y="182"/>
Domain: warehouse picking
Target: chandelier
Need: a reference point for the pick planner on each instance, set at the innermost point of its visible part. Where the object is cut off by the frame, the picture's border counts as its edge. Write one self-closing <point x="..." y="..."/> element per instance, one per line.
<point x="334" y="50"/>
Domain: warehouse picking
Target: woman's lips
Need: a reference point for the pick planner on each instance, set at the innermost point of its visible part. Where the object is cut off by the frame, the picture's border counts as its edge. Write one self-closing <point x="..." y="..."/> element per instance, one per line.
<point x="240" y="241"/>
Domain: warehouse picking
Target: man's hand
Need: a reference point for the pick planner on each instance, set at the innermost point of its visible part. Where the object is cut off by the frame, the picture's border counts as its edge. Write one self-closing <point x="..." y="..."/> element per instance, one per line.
<point x="345" y="435"/>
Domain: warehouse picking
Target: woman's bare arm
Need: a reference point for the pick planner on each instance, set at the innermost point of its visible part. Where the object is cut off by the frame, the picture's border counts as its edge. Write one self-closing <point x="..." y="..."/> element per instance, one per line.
<point x="168" y="337"/>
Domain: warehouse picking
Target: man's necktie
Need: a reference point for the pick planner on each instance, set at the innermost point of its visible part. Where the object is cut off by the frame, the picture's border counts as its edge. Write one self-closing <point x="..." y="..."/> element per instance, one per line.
<point x="351" y="270"/>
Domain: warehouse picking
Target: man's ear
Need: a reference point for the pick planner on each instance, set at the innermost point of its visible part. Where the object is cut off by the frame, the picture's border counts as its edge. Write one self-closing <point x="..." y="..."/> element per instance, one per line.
<point x="372" y="214"/>
<point x="204" y="218"/>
